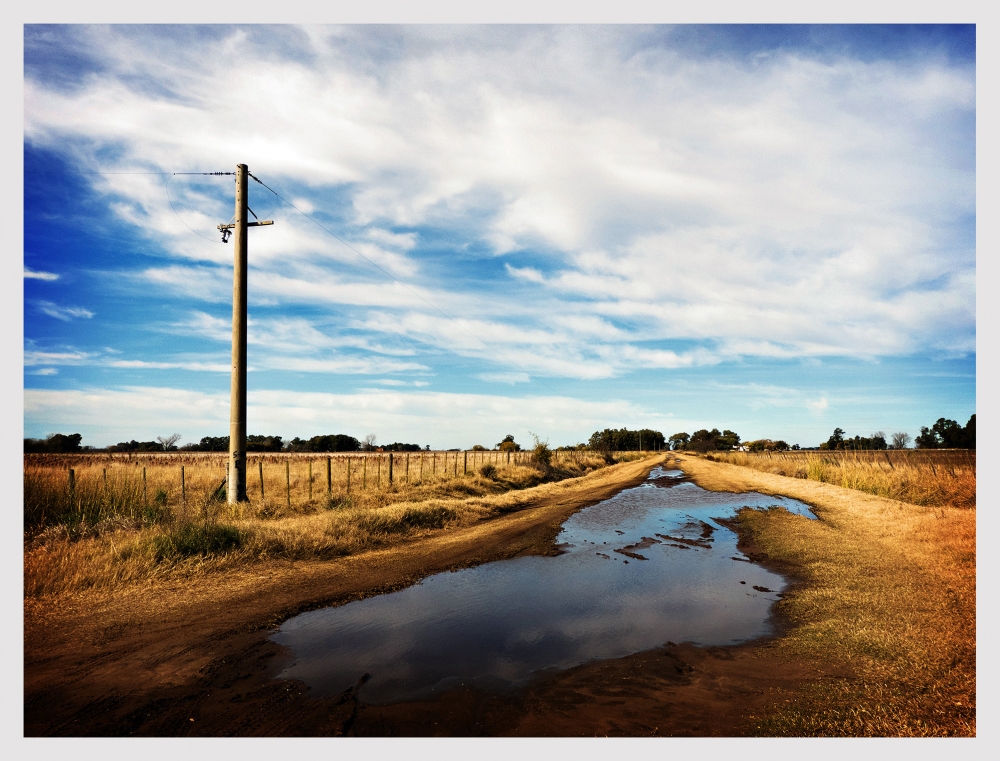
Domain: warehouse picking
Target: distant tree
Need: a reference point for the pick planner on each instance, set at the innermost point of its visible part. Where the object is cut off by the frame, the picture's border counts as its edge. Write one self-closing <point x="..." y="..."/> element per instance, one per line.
<point x="728" y="440"/>
<point x="478" y="448"/>
<point x="796" y="447"/>
<point x="136" y="446"/>
<point x="335" y="442"/>
<point x="836" y="440"/>
<point x="257" y="443"/>
<point x="169" y="442"/>
<point x="508" y="444"/>
<point x="399" y="447"/>
<point x="948" y="434"/>
<point x="926" y="440"/>
<point x="624" y="440"/>
<point x="56" y="443"/>
<point x="780" y="446"/>
<point x="900" y="440"/>
<point x="704" y="440"/>
<point x="368" y="442"/>
<point x="679" y="441"/>
<point x="970" y="432"/>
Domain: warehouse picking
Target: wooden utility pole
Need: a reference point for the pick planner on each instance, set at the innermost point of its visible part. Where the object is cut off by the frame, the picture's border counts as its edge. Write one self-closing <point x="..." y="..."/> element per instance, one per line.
<point x="236" y="475"/>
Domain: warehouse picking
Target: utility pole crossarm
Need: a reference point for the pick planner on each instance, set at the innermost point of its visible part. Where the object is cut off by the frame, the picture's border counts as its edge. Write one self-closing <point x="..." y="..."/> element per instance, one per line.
<point x="249" y="224"/>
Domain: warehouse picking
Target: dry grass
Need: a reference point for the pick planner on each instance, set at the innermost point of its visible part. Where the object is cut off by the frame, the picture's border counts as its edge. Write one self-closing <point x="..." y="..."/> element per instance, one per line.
<point x="920" y="477"/>
<point x="889" y="598"/>
<point x="114" y="530"/>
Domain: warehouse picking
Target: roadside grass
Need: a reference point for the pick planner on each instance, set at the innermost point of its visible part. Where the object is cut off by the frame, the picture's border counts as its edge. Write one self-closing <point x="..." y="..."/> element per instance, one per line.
<point x="920" y="477"/>
<point x="107" y="534"/>
<point x="888" y="595"/>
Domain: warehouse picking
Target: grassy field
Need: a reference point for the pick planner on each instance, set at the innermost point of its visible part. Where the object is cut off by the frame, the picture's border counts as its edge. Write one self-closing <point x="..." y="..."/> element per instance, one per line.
<point x="888" y="596"/>
<point x="122" y="519"/>
<point x="921" y="477"/>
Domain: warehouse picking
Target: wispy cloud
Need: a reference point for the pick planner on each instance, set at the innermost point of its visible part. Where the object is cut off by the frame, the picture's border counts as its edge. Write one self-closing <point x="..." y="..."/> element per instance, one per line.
<point x="33" y="275"/>
<point x="61" y="313"/>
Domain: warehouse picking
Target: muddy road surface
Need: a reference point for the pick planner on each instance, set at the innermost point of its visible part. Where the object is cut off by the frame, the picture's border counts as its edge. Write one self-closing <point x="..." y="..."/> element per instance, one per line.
<point x="192" y="657"/>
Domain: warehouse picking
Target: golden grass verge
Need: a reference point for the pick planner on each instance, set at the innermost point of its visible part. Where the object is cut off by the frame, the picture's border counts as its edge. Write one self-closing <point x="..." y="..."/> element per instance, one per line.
<point x="888" y="592"/>
<point x="920" y="477"/>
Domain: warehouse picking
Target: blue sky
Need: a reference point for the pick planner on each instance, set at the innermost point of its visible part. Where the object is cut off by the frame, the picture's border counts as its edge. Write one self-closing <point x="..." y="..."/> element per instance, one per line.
<point x="769" y="229"/>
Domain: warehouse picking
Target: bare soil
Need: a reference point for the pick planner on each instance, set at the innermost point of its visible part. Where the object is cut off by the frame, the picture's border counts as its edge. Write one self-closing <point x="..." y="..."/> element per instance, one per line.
<point x="191" y="656"/>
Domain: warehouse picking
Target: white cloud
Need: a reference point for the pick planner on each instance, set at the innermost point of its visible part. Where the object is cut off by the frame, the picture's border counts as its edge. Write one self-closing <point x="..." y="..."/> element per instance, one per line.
<point x="510" y="378"/>
<point x="32" y="275"/>
<point x="439" y="419"/>
<point x="61" y="313"/>
<point x="787" y="206"/>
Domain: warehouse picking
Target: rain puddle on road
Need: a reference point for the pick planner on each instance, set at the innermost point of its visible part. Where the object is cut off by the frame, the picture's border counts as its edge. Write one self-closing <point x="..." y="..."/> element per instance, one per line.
<point x="648" y="566"/>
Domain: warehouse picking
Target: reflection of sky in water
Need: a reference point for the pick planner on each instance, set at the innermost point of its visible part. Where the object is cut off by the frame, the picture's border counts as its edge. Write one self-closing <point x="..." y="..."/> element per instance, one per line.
<point x="495" y="624"/>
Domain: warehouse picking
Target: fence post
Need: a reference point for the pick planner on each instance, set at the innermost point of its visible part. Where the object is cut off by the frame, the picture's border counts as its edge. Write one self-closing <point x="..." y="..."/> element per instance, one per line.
<point x="72" y="484"/>
<point x="329" y="479"/>
<point x="364" y="473"/>
<point x="407" y="467"/>
<point x="508" y="457"/>
<point x="310" y="480"/>
<point x="260" y="472"/>
<point x="348" y="474"/>
<point x="390" y="468"/>
<point x="183" y="491"/>
<point x="288" y="484"/>
<point x="465" y="462"/>
<point x="144" y="500"/>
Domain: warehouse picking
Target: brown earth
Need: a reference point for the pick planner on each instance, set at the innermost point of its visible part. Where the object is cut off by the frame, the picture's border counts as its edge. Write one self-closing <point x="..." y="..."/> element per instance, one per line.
<point x="191" y="657"/>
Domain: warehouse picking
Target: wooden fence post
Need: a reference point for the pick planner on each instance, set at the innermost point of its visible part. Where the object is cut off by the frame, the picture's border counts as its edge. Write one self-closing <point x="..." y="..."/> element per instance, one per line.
<point x="465" y="462"/>
<point x="329" y="479"/>
<point x="260" y="472"/>
<point x="407" y="468"/>
<point x="183" y="491"/>
<point x="310" y="480"/>
<point x="378" y="473"/>
<point x="144" y="498"/>
<point x="288" y="484"/>
<point x="72" y="484"/>
<point x="348" y="474"/>
<point x="364" y="473"/>
<point x="390" y="468"/>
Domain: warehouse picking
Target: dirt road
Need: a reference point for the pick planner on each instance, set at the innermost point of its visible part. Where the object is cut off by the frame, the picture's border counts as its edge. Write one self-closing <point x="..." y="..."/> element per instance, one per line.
<point x="192" y="657"/>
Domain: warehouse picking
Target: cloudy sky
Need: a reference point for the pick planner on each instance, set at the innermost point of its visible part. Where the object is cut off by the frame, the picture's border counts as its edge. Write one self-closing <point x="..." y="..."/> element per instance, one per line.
<point x="482" y="230"/>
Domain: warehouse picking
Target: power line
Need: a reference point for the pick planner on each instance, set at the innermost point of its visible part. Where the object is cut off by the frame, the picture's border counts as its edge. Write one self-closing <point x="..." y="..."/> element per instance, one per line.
<point x="167" y="190"/>
<point x="400" y="282"/>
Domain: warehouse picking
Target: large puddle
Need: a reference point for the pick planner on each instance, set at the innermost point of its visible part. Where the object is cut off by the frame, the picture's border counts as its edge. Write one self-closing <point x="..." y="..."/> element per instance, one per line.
<point x="648" y="566"/>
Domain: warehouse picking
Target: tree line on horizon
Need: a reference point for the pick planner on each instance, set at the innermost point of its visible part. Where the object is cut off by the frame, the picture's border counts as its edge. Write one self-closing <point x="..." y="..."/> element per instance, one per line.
<point x="944" y="434"/>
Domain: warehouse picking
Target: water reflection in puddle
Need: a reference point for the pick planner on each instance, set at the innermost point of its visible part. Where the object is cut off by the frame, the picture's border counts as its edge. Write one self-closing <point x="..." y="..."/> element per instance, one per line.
<point x="647" y="566"/>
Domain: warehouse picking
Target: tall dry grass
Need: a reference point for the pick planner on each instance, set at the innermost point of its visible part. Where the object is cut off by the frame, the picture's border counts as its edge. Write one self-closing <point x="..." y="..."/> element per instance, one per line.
<point x="934" y="478"/>
<point x="117" y="528"/>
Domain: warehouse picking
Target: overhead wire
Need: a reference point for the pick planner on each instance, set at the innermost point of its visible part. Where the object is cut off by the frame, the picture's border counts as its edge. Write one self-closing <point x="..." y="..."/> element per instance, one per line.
<point x="404" y="285"/>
